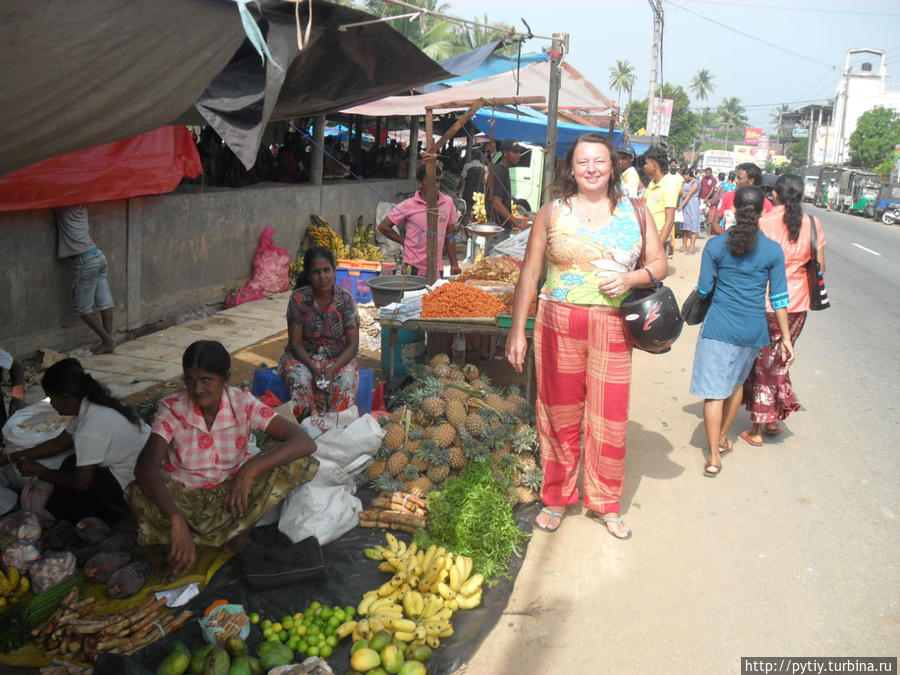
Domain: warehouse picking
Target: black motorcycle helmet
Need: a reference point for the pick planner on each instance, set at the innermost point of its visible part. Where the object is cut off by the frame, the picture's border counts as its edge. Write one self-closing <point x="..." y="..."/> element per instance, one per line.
<point x="652" y="317"/>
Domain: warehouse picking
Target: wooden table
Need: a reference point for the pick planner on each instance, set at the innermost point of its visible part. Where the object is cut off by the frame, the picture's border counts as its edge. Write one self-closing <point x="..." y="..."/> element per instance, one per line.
<point x="480" y="326"/>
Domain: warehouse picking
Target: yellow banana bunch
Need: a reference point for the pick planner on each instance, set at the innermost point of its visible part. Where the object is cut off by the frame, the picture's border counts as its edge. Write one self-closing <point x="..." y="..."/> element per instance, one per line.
<point x="323" y="235"/>
<point x="514" y="209"/>
<point x="362" y="247"/>
<point x="416" y="604"/>
<point x="12" y="586"/>
<point x="479" y="214"/>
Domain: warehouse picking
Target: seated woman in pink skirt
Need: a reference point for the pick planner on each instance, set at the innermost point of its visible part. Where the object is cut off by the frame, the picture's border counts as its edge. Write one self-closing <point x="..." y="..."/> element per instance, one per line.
<point x="319" y="361"/>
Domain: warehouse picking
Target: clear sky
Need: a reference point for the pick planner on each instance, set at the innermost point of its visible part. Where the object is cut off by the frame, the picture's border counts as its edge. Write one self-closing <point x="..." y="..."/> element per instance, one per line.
<point x="816" y="33"/>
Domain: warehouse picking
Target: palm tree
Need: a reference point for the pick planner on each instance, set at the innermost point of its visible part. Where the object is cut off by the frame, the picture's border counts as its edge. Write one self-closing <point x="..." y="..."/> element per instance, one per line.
<point x="436" y="37"/>
<point x="702" y="85"/>
<point x="732" y="114"/>
<point x="708" y="120"/>
<point x="621" y="77"/>
<point x="777" y="118"/>
<point x="472" y="37"/>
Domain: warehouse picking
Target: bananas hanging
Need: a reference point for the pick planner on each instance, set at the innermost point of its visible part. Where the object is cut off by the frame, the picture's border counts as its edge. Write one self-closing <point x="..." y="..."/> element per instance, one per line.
<point x="478" y="209"/>
<point x="418" y="601"/>
<point x="362" y="247"/>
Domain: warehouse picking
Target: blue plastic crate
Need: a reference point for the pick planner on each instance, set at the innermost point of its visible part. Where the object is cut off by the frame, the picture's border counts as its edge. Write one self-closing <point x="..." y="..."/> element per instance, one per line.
<point x="354" y="281"/>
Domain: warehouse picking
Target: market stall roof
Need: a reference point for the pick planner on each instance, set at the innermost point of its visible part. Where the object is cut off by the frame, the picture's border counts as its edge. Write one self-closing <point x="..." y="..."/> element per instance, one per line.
<point x="481" y="62"/>
<point x="77" y="75"/>
<point x="575" y="92"/>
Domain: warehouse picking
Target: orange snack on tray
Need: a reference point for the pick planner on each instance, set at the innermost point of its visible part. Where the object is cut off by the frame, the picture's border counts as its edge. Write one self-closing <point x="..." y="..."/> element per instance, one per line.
<point x="455" y="300"/>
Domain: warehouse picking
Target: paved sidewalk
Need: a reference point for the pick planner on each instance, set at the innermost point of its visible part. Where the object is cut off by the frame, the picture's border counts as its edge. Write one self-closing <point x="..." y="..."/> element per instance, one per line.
<point x="143" y="363"/>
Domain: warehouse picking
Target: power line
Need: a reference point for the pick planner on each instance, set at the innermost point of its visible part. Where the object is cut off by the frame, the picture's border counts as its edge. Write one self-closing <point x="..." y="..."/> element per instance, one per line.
<point x="788" y="8"/>
<point x="502" y="29"/>
<point x="752" y="37"/>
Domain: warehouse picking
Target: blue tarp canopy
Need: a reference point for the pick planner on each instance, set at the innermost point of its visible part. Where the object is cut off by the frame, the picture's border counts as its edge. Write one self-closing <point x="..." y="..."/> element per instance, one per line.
<point x="531" y="127"/>
<point x="480" y="63"/>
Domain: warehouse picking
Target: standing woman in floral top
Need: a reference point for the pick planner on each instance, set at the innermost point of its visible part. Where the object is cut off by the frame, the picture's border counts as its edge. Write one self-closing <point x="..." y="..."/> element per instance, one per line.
<point x="200" y="480"/>
<point x="323" y="340"/>
<point x="589" y="243"/>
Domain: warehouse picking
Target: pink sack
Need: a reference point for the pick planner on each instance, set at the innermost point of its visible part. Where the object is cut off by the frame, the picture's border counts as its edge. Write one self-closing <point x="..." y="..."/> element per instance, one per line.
<point x="271" y="266"/>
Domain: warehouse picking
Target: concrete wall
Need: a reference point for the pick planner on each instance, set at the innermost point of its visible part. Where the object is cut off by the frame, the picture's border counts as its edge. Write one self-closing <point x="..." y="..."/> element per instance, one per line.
<point x="168" y="254"/>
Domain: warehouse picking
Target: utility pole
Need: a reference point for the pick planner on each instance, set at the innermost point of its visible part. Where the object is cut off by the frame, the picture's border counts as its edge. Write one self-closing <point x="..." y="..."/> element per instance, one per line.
<point x="558" y="49"/>
<point x="656" y="7"/>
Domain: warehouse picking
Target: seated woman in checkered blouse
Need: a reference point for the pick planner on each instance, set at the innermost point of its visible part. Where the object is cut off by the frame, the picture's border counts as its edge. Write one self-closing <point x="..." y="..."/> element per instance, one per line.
<point x="200" y="480"/>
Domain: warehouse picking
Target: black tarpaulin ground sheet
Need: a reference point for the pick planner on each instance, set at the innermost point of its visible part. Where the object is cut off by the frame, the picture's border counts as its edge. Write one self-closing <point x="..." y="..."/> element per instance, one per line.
<point x="348" y="575"/>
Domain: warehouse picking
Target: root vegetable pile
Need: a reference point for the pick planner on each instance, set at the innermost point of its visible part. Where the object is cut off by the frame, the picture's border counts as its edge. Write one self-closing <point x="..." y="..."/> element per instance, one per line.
<point x="455" y="300"/>
<point x="76" y="630"/>
<point x="395" y="511"/>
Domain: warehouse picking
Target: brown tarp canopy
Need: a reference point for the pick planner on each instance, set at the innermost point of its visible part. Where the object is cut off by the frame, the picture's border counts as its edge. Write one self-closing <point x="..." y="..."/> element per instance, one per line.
<point x="80" y="74"/>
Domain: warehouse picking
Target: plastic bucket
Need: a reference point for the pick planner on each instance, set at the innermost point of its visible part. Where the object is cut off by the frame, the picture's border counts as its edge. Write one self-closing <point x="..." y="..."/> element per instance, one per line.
<point x="410" y="349"/>
<point x="364" y="394"/>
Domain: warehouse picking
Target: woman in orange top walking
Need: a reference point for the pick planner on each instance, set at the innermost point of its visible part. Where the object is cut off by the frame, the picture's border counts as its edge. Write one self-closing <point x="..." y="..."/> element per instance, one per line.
<point x="768" y="393"/>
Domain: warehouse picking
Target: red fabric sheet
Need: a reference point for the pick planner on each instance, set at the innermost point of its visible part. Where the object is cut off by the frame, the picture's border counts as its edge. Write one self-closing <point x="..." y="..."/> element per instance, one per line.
<point x="149" y="164"/>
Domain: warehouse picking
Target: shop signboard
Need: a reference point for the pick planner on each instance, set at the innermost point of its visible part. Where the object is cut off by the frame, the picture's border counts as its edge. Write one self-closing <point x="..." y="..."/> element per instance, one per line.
<point x="800" y="133"/>
<point x="751" y="135"/>
<point x="659" y="116"/>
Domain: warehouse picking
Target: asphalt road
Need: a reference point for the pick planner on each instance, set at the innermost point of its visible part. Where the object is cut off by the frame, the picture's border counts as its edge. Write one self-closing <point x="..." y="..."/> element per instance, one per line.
<point x="792" y="551"/>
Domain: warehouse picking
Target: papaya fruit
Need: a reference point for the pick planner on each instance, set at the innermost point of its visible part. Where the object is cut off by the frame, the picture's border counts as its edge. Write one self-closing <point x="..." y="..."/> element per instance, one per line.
<point x="359" y="644"/>
<point x="391" y="659"/>
<point x="418" y="653"/>
<point x="380" y="640"/>
<point x="240" y="666"/>
<point x="180" y="648"/>
<point x="413" y="668"/>
<point x="174" y="664"/>
<point x="276" y="657"/>
<point x="197" y="658"/>
<point x="255" y="666"/>
<point x="217" y="662"/>
<point x="235" y="646"/>
<point x="365" y="659"/>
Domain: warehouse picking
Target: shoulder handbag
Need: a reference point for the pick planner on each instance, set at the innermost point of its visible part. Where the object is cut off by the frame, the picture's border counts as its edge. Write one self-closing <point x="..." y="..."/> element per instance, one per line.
<point x="818" y="294"/>
<point x="695" y="307"/>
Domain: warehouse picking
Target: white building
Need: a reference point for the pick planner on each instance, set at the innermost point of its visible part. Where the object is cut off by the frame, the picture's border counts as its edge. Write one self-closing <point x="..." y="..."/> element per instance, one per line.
<point x="861" y="89"/>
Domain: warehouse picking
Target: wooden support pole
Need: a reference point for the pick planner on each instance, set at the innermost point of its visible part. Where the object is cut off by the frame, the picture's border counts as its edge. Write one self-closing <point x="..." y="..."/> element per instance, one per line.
<point x="431" y="199"/>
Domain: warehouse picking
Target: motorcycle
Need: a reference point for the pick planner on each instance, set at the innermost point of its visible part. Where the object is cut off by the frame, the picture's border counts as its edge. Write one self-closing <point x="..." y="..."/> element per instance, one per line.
<point x="891" y="215"/>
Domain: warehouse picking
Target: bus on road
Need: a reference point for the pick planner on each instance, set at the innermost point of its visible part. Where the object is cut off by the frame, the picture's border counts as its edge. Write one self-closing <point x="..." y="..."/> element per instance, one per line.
<point x="720" y="161"/>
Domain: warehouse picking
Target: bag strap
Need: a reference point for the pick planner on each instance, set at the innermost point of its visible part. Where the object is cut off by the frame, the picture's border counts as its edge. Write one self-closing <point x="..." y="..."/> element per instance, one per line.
<point x="640" y="211"/>
<point x="813" y="239"/>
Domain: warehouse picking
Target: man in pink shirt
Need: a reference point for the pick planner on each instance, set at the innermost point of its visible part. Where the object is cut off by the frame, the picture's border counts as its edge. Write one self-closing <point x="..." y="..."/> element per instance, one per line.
<point x="747" y="174"/>
<point x="411" y="217"/>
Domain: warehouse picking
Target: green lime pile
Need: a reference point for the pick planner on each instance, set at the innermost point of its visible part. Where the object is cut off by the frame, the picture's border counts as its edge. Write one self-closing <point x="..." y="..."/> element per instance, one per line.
<point x="312" y="632"/>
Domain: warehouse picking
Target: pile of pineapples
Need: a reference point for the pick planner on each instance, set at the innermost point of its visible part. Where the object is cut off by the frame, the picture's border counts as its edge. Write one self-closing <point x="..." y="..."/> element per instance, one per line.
<point x="449" y="417"/>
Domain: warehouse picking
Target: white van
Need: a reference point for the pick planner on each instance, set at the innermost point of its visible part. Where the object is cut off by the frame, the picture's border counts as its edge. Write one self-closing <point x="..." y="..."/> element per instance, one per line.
<point x="527" y="177"/>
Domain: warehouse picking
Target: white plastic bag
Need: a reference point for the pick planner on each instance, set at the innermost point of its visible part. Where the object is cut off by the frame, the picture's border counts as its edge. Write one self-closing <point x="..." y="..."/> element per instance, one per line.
<point x="326" y="507"/>
<point x="29" y="427"/>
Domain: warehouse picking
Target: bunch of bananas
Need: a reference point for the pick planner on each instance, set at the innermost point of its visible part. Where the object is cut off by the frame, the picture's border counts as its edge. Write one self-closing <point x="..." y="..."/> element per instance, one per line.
<point x="514" y="210"/>
<point x="320" y="234"/>
<point x="418" y="601"/>
<point x="362" y="247"/>
<point x="478" y="210"/>
<point x="12" y="586"/>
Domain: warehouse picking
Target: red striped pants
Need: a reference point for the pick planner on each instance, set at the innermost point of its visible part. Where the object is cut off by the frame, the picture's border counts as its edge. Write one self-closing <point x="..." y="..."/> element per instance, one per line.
<point x="583" y="364"/>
